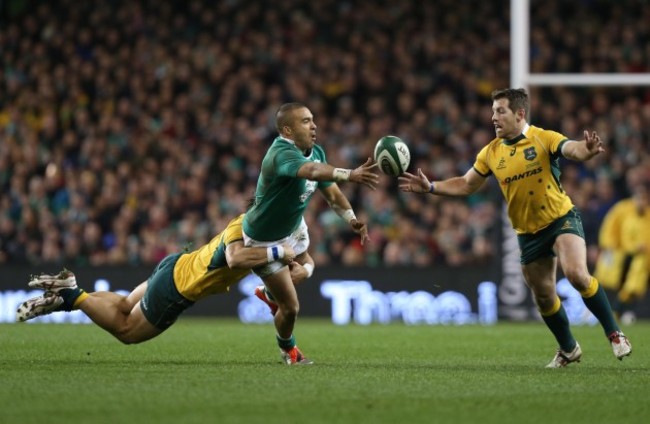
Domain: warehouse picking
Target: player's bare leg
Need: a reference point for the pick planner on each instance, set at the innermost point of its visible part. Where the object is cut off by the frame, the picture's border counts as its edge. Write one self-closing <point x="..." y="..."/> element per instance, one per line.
<point x="572" y="252"/>
<point x="298" y="275"/>
<point x="120" y="315"/>
<point x="540" y="277"/>
<point x="284" y="294"/>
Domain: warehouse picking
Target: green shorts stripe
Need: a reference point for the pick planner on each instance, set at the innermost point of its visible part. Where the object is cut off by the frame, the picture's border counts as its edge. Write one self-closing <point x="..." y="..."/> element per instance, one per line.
<point x="162" y="303"/>
<point x="540" y="244"/>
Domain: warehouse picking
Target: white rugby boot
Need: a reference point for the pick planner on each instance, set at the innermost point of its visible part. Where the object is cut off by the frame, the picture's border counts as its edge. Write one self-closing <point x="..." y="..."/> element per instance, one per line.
<point x="37" y="306"/>
<point x="562" y="358"/>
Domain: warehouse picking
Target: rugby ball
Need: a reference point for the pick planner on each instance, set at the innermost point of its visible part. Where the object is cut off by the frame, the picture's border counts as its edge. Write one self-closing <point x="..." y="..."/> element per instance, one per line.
<point x="392" y="155"/>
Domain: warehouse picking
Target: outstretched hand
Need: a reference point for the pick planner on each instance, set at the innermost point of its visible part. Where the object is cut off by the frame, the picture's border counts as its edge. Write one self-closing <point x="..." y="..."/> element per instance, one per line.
<point x="365" y="174"/>
<point x="360" y="228"/>
<point x="593" y="144"/>
<point x="408" y="182"/>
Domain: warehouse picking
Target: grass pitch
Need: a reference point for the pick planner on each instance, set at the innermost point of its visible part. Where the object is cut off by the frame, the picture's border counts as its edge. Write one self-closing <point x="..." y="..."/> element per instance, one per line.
<point x="216" y="370"/>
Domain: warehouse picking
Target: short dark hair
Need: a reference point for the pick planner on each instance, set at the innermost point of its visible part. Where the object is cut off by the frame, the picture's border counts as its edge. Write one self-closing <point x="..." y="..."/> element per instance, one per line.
<point x="283" y="117"/>
<point x="517" y="99"/>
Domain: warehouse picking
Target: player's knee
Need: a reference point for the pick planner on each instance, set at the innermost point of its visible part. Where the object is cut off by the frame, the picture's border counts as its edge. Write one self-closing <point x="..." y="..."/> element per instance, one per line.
<point x="289" y="310"/>
<point x="129" y="339"/>
<point x="579" y="278"/>
<point x="127" y="334"/>
<point x="545" y="303"/>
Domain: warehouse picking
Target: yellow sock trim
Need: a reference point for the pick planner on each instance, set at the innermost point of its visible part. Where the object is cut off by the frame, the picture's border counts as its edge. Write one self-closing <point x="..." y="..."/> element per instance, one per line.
<point x="591" y="290"/>
<point x="556" y="307"/>
<point x="83" y="296"/>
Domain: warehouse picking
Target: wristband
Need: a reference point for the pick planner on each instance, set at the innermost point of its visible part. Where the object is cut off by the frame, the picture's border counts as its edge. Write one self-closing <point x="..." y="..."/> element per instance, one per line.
<point x="431" y="188"/>
<point x="310" y="269"/>
<point x="340" y="174"/>
<point x="274" y="253"/>
<point x="348" y="215"/>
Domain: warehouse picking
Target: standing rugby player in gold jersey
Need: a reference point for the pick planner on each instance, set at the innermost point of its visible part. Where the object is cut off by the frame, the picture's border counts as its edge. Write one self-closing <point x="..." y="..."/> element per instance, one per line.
<point x="623" y="265"/>
<point x="525" y="161"/>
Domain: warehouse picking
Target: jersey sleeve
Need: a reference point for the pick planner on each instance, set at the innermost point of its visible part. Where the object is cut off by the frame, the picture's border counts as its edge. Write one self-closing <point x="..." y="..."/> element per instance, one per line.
<point x="481" y="164"/>
<point x="288" y="161"/>
<point x="555" y="141"/>
<point x="233" y="231"/>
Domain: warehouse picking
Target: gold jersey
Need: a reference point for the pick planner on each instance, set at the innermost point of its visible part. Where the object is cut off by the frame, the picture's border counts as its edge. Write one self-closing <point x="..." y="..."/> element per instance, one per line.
<point x="623" y="261"/>
<point x="528" y="171"/>
<point x="625" y="228"/>
<point x="205" y="271"/>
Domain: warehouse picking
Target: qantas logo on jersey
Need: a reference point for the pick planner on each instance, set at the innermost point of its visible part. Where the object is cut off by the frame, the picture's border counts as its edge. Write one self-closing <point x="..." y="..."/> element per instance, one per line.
<point x="521" y="176"/>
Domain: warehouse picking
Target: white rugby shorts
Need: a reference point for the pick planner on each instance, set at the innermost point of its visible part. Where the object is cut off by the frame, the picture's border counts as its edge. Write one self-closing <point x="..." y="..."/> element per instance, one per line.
<point x="298" y="240"/>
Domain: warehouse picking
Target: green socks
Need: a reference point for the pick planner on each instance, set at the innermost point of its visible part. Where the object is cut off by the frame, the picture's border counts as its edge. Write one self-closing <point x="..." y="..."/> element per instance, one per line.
<point x="598" y="304"/>
<point x="558" y="323"/>
<point x="286" y="344"/>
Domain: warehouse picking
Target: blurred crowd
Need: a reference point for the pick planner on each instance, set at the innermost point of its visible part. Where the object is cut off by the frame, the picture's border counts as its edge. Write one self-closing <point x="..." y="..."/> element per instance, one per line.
<point x="130" y="130"/>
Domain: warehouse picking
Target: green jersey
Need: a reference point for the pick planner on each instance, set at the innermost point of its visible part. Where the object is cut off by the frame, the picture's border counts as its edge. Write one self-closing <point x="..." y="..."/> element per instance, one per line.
<point x="281" y="197"/>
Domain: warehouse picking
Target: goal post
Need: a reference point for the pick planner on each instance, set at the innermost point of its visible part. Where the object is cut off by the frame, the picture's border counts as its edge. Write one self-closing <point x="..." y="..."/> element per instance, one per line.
<point x="520" y="75"/>
<point x="512" y="292"/>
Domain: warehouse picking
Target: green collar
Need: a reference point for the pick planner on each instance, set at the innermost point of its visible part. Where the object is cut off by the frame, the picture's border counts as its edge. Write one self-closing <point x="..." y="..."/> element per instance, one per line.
<point x="514" y="140"/>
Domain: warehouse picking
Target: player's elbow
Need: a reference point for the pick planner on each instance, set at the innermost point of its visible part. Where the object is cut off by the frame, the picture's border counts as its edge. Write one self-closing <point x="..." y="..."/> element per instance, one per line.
<point x="310" y="171"/>
<point x="237" y="256"/>
<point x="465" y="185"/>
<point x="235" y="261"/>
<point x="470" y="190"/>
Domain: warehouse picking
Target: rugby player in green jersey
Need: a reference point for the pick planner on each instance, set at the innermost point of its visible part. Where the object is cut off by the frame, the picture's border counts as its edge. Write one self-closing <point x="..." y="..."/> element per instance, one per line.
<point x="525" y="161"/>
<point x="177" y="283"/>
<point x="293" y="168"/>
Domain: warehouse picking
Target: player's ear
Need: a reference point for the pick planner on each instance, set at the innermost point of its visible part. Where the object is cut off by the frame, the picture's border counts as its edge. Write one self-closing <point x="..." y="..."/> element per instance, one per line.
<point x="287" y="129"/>
<point x="521" y="113"/>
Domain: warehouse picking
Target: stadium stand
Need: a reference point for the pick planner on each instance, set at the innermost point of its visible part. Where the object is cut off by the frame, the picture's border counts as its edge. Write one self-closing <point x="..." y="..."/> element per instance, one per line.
<point x="129" y="130"/>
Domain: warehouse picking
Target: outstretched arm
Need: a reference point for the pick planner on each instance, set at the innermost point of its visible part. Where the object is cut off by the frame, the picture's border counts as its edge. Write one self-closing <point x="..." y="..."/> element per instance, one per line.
<point x="583" y="150"/>
<point x="456" y="186"/>
<point x="240" y="256"/>
<point x="364" y="174"/>
<point x="341" y="205"/>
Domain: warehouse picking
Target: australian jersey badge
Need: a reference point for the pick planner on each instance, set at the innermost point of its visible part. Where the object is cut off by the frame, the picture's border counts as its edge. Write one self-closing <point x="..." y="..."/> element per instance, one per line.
<point x="530" y="153"/>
